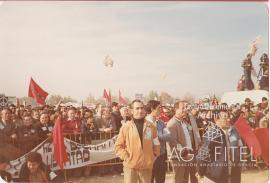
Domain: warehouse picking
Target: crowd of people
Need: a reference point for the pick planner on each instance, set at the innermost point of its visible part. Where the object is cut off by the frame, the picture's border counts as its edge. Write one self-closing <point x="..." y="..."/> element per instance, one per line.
<point x="143" y="132"/>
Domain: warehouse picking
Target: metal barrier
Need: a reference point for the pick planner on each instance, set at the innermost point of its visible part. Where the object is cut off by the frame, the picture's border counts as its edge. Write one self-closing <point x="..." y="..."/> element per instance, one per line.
<point x="88" y="138"/>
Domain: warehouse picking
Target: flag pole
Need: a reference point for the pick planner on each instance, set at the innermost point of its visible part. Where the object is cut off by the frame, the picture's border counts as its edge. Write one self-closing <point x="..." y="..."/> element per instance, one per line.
<point x="65" y="175"/>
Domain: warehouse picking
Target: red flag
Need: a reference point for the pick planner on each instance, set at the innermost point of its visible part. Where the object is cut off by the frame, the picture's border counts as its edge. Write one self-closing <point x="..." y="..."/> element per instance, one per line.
<point x="105" y="94"/>
<point x="59" y="154"/>
<point x="121" y="99"/>
<point x="110" y="97"/>
<point x="248" y="136"/>
<point x="36" y="92"/>
<point x="263" y="136"/>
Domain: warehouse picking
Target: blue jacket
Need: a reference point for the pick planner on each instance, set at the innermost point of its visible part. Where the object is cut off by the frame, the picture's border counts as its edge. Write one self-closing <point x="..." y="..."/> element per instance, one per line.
<point x="163" y="134"/>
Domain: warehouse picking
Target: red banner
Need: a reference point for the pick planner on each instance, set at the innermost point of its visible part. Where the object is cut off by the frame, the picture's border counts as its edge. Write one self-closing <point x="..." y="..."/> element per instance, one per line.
<point x="248" y="136"/>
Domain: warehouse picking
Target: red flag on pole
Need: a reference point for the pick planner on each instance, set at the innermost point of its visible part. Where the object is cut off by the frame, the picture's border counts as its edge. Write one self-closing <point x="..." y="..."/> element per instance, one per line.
<point x="121" y="99"/>
<point x="248" y="136"/>
<point x="263" y="136"/>
<point x="59" y="154"/>
<point x="105" y="94"/>
<point x="36" y="92"/>
<point x="110" y="97"/>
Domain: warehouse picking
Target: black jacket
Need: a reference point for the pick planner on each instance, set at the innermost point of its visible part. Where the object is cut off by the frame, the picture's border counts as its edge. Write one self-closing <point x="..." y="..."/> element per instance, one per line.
<point x="43" y="130"/>
<point x="5" y="132"/>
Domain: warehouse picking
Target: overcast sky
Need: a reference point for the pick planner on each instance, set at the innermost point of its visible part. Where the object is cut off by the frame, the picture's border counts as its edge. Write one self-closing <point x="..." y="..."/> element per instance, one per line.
<point x="177" y="47"/>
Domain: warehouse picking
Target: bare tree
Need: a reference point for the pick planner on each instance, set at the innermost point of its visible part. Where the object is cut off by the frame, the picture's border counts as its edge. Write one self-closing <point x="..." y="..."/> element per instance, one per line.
<point x="166" y="98"/>
<point x="153" y="95"/>
<point x="189" y="98"/>
<point x="54" y="99"/>
<point x="90" y="99"/>
<point x="28" y="101"/>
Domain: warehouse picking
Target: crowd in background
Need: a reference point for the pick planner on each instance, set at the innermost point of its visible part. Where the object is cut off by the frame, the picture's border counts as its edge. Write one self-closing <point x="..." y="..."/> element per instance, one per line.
<point x="22" y="128"/>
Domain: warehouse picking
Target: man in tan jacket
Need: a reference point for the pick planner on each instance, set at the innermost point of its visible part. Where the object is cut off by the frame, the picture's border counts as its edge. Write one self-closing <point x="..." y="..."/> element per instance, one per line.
<point x="137" y="144"/>
<point x="180" y="144"/>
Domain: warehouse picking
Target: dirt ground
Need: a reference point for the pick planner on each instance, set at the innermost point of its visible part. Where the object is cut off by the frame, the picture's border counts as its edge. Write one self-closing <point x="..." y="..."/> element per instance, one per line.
<point x="252" y="176"/>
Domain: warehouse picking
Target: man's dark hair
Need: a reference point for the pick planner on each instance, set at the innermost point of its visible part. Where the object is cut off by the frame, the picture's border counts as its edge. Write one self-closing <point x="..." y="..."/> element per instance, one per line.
<point x="136" y="100"/>
<point x="105" y="108"/>
<point x="27" y="115"/>
<point x="34" y="157"/>
<point x="114" y="104"/>
<point x="88" y="110"/>
<point x="264" y="99"/>
<point x="246" y="107"/>
<point x="151" y="105"/>
<point x="44" y="112"/>
<point x="72" y="108"/>
<point x="176" y="104"/>
<point x="12" y="105"/>
<point x="247" y="100"/>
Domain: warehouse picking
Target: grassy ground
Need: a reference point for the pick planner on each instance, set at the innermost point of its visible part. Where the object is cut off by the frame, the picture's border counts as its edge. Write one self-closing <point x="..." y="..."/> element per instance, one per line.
<point x="251" y="176"/>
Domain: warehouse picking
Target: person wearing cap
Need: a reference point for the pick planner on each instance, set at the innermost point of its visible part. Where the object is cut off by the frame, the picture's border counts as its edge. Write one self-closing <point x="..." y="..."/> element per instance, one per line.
<point x="138" y="145"/>
<point x="3" y="173"/>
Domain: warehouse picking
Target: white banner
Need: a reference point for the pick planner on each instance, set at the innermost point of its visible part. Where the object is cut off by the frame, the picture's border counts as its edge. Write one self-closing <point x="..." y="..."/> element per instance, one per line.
<point x="79" y="155"/>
